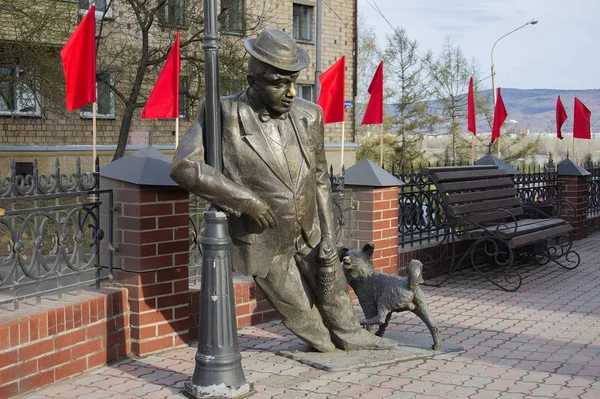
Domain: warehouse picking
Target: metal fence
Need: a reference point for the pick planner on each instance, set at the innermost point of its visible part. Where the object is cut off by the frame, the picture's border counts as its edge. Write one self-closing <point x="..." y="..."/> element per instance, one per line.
<point x="421" y="217"/>
<point x="593" y="199"/>
<point x="50" y="232"/>
<point x="538" y="185"/>
<point x="197" y="208"/>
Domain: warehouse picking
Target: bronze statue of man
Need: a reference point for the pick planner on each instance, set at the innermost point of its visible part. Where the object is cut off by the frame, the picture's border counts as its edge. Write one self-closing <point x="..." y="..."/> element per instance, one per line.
<point x="276" y="189"/>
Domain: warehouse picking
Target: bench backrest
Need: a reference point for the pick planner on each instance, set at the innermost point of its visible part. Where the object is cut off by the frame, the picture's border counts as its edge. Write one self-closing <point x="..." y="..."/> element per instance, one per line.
<point x="476" y="193"/>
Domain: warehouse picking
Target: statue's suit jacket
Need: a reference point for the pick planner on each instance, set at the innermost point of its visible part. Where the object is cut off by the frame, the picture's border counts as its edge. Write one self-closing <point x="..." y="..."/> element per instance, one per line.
<point x="250" y="170"/>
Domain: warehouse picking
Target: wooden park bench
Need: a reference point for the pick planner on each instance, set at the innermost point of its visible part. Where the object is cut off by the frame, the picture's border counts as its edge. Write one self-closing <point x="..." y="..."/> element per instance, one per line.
<point x="485" y="215"/>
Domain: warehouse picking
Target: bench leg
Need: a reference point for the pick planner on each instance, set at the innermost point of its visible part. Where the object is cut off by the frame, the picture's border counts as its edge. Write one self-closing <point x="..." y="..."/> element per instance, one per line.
<point x="558" y="250"/>
<point x="498" y="255"/>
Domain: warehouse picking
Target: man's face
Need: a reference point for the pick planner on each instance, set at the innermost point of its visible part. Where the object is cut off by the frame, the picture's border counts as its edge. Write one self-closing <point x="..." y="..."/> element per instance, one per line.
<point x="276" y="89"/>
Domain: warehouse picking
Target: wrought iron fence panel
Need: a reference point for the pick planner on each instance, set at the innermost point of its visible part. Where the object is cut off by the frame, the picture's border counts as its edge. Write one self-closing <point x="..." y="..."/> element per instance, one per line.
<point x="538" y="186"/>
<point x="197" y="208"/>
<point x="421" y="214"/>
<point x="50" y="233"/>
<point x="593" y="199"/>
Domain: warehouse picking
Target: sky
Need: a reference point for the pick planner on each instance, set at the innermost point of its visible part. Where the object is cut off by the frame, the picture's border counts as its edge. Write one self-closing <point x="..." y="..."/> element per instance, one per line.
<point x="562" y="51"/>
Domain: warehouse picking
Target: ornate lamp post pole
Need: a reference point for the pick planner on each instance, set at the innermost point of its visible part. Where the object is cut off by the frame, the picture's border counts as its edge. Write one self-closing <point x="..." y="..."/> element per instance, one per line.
<point x="532" y="22"/>
<point x="218" y="372"/>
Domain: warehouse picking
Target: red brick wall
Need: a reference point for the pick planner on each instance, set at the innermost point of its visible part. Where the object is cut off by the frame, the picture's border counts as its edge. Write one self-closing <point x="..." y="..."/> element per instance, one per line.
<point x="152" y="253"/>
<point x="375" y="220"/>
<point x="575" y="189"/>
<point x="38" y="348"/>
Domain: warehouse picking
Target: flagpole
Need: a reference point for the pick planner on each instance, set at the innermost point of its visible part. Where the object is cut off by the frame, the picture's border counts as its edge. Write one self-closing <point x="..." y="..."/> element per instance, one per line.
<point x="473" y="150"/>
<point x="94" y="112"/>
<point x="381" y="145"/>
<point x="343" y="138"/>
<point x="176" y="132"/>
<point x="574" y="158"/>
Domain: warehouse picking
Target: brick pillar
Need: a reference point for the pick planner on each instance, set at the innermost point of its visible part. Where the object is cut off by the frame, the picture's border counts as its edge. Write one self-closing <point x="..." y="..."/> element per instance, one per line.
<point x="574" y="188"/>
<point x="375" y="220"/>
<point x="151" y="241"/>
<point x="375" y="215"/>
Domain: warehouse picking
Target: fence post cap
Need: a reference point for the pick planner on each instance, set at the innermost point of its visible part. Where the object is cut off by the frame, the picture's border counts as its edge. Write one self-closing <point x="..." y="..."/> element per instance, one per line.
<point x="567" y="167"/>
<point x="367" y="173"/>
<point x="147" y="166"/>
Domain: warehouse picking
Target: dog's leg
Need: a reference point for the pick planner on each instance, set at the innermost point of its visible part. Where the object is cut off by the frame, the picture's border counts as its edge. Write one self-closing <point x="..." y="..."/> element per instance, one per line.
<point x="370" y="311"/>
<point x="422" y="310"/>
<point x="383" y="327"/>
<point x="379" y="318"/>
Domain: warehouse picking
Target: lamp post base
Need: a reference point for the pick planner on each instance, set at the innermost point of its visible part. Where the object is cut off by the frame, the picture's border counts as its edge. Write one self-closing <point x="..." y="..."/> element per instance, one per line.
<point x="220" y="391"/>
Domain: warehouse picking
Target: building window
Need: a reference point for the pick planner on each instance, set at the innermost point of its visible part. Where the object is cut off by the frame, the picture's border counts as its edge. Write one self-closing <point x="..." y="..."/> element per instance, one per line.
<point x="18" y="92"/>
<point x="103" y="7"/>
<point x="232" y="16"/>
<point x="184" y="87"/>
<point x="105" y="99"/>
<point x="305" y="91"/>
<point x="172" y="13"/>
<point x="303" y="22"/>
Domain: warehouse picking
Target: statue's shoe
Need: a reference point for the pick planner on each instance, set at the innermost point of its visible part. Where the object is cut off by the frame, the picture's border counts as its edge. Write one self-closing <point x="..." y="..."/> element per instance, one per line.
<point x="363" y="339"/>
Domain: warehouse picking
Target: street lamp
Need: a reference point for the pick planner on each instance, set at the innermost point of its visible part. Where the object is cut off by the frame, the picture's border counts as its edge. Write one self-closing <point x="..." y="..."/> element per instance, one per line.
<point x="532" y="22"/>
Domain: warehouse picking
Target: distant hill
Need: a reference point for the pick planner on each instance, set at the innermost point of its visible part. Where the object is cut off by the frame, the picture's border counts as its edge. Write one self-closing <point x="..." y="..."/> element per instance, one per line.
<point x="534" y="109"/>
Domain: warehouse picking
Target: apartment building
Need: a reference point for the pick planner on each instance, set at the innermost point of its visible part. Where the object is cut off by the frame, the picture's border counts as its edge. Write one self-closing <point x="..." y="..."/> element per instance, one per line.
<point x="33" y="117"/>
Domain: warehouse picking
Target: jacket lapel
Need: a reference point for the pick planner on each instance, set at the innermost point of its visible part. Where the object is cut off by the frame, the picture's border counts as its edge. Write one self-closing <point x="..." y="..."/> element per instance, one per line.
<point x="256" y="139"/>
<point x="301" y="130"/>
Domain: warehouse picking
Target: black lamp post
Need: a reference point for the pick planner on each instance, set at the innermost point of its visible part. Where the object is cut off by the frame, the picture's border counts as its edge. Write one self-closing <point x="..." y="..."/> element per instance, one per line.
<point x="218" y="372"/>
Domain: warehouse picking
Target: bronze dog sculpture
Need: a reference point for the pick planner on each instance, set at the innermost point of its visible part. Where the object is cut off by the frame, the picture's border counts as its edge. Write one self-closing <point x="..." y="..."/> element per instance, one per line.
<point x="381" y="294"/>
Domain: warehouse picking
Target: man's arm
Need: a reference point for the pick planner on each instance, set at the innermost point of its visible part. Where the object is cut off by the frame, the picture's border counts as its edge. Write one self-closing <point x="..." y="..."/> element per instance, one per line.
<point x="191" y="172"/>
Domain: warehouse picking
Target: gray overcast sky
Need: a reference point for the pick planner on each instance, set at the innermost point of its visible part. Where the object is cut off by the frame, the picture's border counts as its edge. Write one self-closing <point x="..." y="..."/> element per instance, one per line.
<point x="561" y="52"/>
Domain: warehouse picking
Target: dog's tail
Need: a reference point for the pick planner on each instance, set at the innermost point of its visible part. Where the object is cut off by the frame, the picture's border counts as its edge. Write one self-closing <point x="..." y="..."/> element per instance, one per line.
<point x="414" y="269"/>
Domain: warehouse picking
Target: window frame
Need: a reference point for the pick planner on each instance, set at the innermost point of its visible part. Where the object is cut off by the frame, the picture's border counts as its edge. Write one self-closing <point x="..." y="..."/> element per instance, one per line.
<point x="164" y="20"/>
<point x="85" y="114"/>
<point x="227" y="19"/>
<point x="300" y="38"/>
<point x="300" y="87"/>
<point x="16" y="88"/>
<point x="99" y="13"/>
<point x="184" y="87"/>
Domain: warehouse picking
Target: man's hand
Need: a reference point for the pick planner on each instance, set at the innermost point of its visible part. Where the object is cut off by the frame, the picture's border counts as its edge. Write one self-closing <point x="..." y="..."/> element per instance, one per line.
<point x="262" y="213"/>
<point x="328" y="250"/>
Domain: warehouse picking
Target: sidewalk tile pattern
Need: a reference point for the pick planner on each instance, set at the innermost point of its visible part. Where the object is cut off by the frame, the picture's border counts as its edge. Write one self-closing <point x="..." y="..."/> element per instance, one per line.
<point x="540" y="342"/>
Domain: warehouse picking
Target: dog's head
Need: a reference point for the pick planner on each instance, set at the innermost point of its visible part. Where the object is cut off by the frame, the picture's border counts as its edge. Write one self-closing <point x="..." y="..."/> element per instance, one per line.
<point x="414" y="269"/>
<point x="356" y="262"/>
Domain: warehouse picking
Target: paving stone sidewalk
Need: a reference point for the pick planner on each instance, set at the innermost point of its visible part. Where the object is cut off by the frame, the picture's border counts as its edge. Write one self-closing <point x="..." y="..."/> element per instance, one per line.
<point x="540" y="342"/>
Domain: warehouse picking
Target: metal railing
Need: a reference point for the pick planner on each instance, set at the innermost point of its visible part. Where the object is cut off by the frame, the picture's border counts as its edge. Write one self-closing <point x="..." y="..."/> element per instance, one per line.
<point x="50" y="233"/>
<point x="197" y="208"/>
<point x="538" y="185"/>
<point x="421" y="215"/>
<point x="421" y="218"/>
<point x="593" y="199"/>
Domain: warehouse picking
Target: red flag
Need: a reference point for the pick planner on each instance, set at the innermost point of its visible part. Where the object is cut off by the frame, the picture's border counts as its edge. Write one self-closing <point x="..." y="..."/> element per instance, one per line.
<point x="561" y="117"/>
<point x="331" y="98"/>
<point x="163" y="101"/>
<point x="374" y="112"/>
<point x="581" y="121"/>
<point x="499" y="116"/>
<point x="79" y="63"/>
<point x="471" y="126"/>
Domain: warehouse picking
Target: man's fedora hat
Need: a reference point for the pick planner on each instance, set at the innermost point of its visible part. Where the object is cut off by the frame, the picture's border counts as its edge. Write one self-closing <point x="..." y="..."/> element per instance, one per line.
<point x="278" y="49"/>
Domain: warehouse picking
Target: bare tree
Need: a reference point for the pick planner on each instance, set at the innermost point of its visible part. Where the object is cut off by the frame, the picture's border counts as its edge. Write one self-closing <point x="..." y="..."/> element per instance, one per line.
<point x="450" y="76"/>
<point x="134" y="45"/>
<point x="409" y="73"/>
